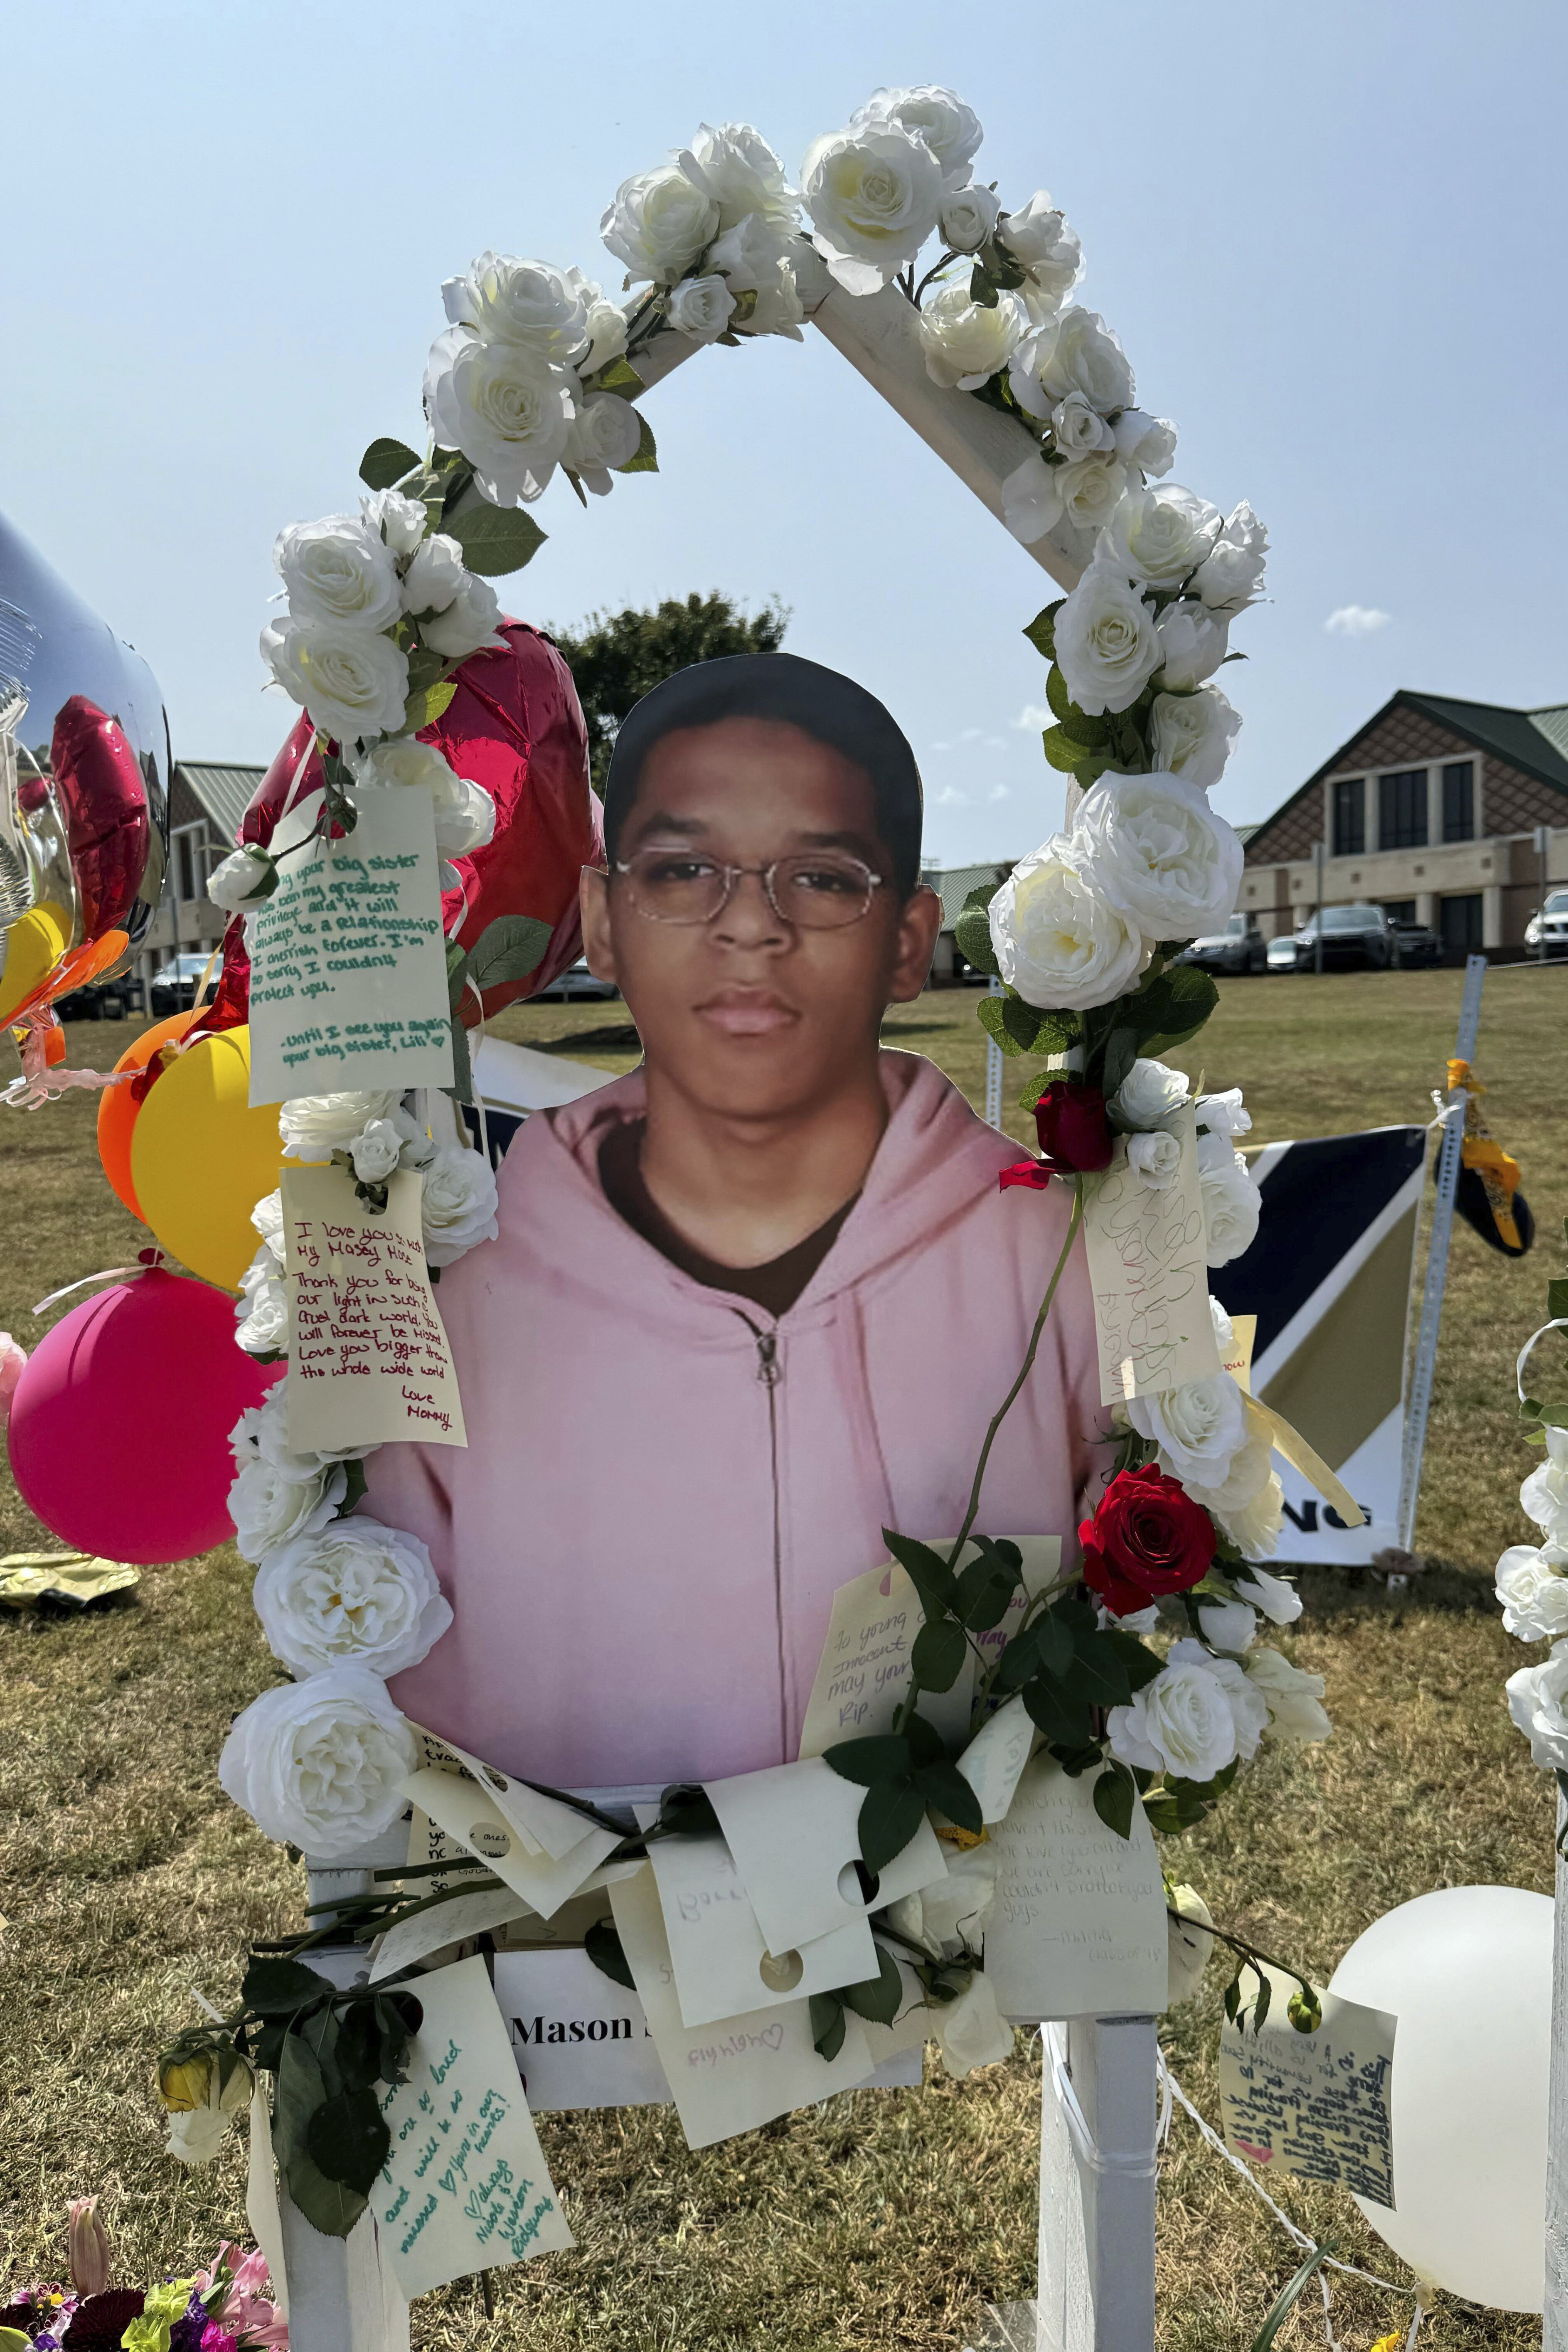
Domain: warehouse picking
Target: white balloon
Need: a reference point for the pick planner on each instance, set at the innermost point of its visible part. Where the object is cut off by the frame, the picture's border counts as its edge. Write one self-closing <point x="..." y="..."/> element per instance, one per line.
<point x="1468" y="1973"/>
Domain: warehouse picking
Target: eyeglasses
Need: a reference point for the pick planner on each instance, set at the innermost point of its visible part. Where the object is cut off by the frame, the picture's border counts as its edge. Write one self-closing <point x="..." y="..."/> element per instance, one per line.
<point x="819" y="890"/>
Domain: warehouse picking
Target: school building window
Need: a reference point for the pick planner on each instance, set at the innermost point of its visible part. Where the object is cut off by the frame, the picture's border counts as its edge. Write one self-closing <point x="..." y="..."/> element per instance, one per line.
<point x="1461" y="924"/>
<point x="1349" y="816"/>
<point x="1402" y="810"/>
<point x="1460" y="800"/>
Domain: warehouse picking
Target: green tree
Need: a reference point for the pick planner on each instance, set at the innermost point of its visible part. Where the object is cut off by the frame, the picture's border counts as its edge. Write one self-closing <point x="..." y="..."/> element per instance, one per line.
<point x="618" y="657"/>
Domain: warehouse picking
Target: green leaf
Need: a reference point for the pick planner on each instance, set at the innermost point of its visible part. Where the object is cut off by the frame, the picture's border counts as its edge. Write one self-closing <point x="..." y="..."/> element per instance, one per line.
<point x="1079" y="727"/>
<point x="1097" y="1672"/>
<point x="1121" y="1053"/>
<point x="1114" y="1792"/>
<point x="494" y="539"/>
<point x="278" y="1988"/>
<point x="1065" y="1720"/>
<point x="354" y="1486"/>
<point x="462" y="1087"/>
<point x="602" y="1946"/>
<point x="981" y="288"/>
<point x="330" y="2206"/>
<point x="509" y="948"/>
<point x="1173" y="1008"/>
<point x="972" y="931"/>
<point x="1233" y="1997"/>
<point x="386" y="463"/>
<point x="1140" y="1664"/>
<point x="880" y="1756"/>
<point x="457" y="975"/>
<point x="1053" y="1636"/>
<point x="985" y="1589"/>
<point x="944" y="1786"/>
<point x="991" y="1015"/>
<point x="423" y="709"/>
<point x="1289" y="2295"/>
<point x="1061" y="751"/>
<point x="1260" y="2006"/>
<point x="879" y="1995"/>
<point x="347" y="2139"/>
<point x="827" y="2024"/>
<point x="938" y="1653"/>
<point x="1042" y="630"/>
<point x="1557" y="1296"/>
<point x="646" y="458"/>
<point x="1057" y="694"/>
<point x="926" y="1743"/>
<point x="688" y="1809"/>
<point x="889" y="1817"/>
<point x="619" y="375"/>
<point x="927" y="1570"/>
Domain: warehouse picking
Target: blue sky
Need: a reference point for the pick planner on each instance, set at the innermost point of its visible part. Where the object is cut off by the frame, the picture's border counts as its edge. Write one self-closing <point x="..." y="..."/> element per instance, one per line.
<point x="1330" y="239"/>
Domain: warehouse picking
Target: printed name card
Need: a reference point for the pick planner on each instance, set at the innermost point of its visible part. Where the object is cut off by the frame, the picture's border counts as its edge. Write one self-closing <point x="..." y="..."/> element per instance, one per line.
<point x="465" y="2187"/>
<point x="1149" y="1273"/>
<point x="367" y="1349"/>
<point x="347" y="966"/>
<point x="1078" y="1928"/>
<point x="579" y="2040"/>
<point x="1314" y="2104"/>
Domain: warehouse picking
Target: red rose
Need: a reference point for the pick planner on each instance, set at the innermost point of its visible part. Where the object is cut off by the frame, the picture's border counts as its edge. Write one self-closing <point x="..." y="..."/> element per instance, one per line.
<point x="1148" y="1537"/>
<point x="1075" y="1133"/>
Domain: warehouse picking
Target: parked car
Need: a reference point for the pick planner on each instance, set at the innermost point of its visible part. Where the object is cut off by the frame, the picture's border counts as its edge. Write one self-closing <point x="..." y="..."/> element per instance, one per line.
<point x="575" y="980"/>
<point x="1416" y="945"/>
<point x="1240" y="946"/>
<point x="1548" y="927"/>
<point x="1352" y="935"/>
<point x="175" y="987"/>
<point x="100" y="999"/>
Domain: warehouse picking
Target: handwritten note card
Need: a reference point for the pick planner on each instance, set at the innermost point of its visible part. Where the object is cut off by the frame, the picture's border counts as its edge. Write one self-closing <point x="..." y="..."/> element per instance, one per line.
<point x="1237" y="1359"/>
<point x="1078" y="1924"/>
<point x="721" y="1959"/>
<point x="348" y="967"/>
<point x="1148" y="1269"/>
<point x="1315" y="2105"/>
<point x="865" y="1667"/>
<point x="465" y="2187"/>
<point x="367" y="1349"/>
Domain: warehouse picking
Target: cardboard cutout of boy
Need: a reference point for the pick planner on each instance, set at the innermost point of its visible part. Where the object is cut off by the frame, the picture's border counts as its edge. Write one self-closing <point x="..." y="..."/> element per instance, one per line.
<point x="749" y="1303"/>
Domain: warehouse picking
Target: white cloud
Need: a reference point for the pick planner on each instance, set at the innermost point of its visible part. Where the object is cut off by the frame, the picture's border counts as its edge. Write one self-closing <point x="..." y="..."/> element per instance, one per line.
<point x="1356" y="621"/>
<point x="1034" y="719"/>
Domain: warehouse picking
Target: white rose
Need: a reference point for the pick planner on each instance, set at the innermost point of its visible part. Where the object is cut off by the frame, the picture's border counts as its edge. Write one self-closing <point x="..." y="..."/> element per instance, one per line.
<point x="375" y="1153"/>
<point x="1191" y="735"/>
<point x="464" y="813"/>
<point x="1223" y="1328"/>
<point x="1255" y="1526"/>
<point x="1092" y="489"/>
<point x="267" y="1219"/>
<point x="419" y="1146"/>
<point x="1231" y="576"/>
<point x="196" y="2135"/>
<point x="964" y="343"/>
<point x="1161" y="853"/>
<point x="1294" y="1698"/>
<point x="606" y="434"/>
<point x="738" y="170"/>
<point x="1136" y="1620"/>
<point x="320" y="1764"/>
<point x="472" y="619"/>
<point x="359" y="1594"/>
<point x="971" y="2030"/>
<point x="1144" y="441"/>
<point x="1251" y="1467"/>
<point x="352" y="682"/>
<point x="1533" y="1586"/>
<point x="336" y="571"/>
<point x="1223" y="1114"/>
<point x="525" y="305"/>
<point x="1155" y="1159"/>
<point x="748" y="253"/>
<point x="1075" y="351"/>
<point x="1536" y="1700"/>
<point x="240" y="881"/>
<point x="399" y="521"/>
<point x="1279" y="1602"/>
<point x="1199" y="1428"/>
<point x="1189" y="1949"/>
<point x="1079" y="429"/>
<point x="603" y="323"/>
<point x="506" y="408"/>
<point x="1544" y="1496"/>
<point x="1058" y="940"/>
<point x="780" y="305"/>
<point x="1039" y="237"/>
<point x="659" y="223"/>
<point x="1106" y="642"/>
<point x="1031" y="502"/>
<point x="1231" y="1201"/>
<point x="1181" y="1723"/>
<point x="1149" y="1094"/>
<point x="458" y="1204"/>
<point x="701" y="308"/>
<point x="261" y="1434"/>
<point x="262" y="1313"/>
<point x="435" y="576"/>
<point x="874" y="196"/>
<point x="945" y="1917"/>
<point x="1165" y="531"/>
<point x="1227" y="1625"/>
<point x="968" y="217"/>
<point x="938" y="117"/>
<point x="1247" y="1706"/>
<point x="269" y="1507"/>
<point x="1192" y="645"/>
<point x="315" y="1125"/>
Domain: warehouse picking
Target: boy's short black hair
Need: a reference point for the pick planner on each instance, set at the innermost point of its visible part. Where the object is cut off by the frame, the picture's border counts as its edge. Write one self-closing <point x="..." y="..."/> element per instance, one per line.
<point x="825" y="705"/>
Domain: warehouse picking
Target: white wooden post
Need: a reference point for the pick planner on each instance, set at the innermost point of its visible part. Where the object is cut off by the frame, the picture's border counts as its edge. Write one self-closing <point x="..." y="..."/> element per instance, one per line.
<point x="1098" y="2169"/>
<point x="1554" y="2323"/>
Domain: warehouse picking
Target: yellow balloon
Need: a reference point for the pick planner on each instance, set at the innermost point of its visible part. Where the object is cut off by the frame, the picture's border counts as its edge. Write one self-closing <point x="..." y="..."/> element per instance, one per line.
<point x="201" y="1158"/>
<point x="34" y="945"/>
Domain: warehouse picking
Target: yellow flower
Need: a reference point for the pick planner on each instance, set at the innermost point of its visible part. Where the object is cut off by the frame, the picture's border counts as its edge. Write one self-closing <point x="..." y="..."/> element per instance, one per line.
<point x="1391" y="2342"/>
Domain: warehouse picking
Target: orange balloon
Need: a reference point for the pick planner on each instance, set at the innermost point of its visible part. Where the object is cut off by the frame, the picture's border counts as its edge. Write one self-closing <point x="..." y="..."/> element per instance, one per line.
<point x="117" y="1106"/>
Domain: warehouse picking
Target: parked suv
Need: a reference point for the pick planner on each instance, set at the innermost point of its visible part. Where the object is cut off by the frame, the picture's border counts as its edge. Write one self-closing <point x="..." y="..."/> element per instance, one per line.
<point x="1240" y="946"/>
<point x="1352" y="935"/>
<point x="1547" y="930"/>
<point x="1417" y="944"/>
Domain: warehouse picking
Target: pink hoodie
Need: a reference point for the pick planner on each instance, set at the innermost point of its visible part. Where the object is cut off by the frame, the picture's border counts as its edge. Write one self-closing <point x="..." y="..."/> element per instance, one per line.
<point x="663" y="1490"/>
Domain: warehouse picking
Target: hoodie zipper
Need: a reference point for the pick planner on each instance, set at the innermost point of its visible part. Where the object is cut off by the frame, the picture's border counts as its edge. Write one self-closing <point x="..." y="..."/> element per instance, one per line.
<point x="770" y="1371"/>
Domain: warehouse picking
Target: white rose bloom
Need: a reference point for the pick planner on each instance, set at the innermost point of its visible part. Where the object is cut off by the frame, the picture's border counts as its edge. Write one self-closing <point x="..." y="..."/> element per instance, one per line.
<point x="1155" y="1159"/>
<point x="358" y="1594"/>
<point x="1193" y="642"/>
<point x="1254" y="1527"/>
<point x="1279" y="1602"/>
<point x="1076" y="352"/>
<point x="458" y="1204"/>
<point x="236" y="883"/>
<point x="968" y="217"/>
<point x="1149" y="1094"/>
<point x="352" y="682"/>
<point x="507" y="408"/>
<point x="320" y="1764"/>
<point x="1092" y="489"/>
<point x="938" y="117"/>
<point x="1058" y="940"/>
<point x="1160" y="853"/>
<point x="1538" y="1702"/>
<point x="267" y="1219"/>
<point x="953" y="1913"/>
<point x="1223" y="1328"/>
<point x="337" y="570"/>
<point x="1189" y="1949"/>
<point x="262" y="1313"/>
<point x="1533" y="1586"/>
<point x="748" y="253"/>
<point x="315" y="1125"/>
<point x="196" y="2135"/>
<point x="1227" y="1498"/>
<point x="1199" y="1428"/>
<point x="1031" y="502"/>
<point x="1231" y="1201"/>
<point x="1079" y="429"/>
<point x="1106" y="642"/>
<point x="1181" y="1723"/>
<point x="603" y="323"/>
<point x="1227" y="1625"/>
<point x="1225" y="1113"/>
<point x="658" y="223"/>
<point x="1144" y="441"/>
<point x="738" y="170"/>
<point x="605" y="434"/>
<point x="971" y="2030"/>
<point x="1231" y="577"/>
<point x="1293" y="1697"/>
<point x="1137" y="1620"/>
<point x="419" y="1146"/>
<point x="399" y="521"/>
<point x="464" y="813"/>
<point x="1165" y="531"/>
<point x="1191" y="735"/>
<point x="375" y="1153"/>
<point x="435" y="576"/>
<point x="525" y="305"/>
<point x="1039" y="237"/>
<point x="964" y="343"/>
<point x="470" y="621"/>
<point x="261" y="1434"/>
<point x="780" y="305"/>
<point x="701" y="308"/>
<point x="874" y="196"/>
<point x="1247" y="1705"/>
<point x="1544" y="1496"/>
<point x="269" y="1507"/>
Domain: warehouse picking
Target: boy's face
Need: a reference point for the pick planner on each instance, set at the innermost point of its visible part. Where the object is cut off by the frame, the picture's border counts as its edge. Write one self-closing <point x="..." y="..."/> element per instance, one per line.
<point x="749" y="1016"/>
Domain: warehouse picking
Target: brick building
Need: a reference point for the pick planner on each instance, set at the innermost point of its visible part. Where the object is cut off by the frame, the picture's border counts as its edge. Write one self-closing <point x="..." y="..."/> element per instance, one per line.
<point x="1431" y="811"/>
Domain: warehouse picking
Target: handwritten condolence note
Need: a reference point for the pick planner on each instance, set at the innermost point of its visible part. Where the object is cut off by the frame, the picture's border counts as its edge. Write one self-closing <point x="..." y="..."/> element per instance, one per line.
<point x="348" y="967"/>
<point x="1078" y="1924"/>
<point x="367" y="1354"/>
<point x="463" y="2186"/>
<point x="1150" y="1278"/>
<point x="1315" y="2105"/>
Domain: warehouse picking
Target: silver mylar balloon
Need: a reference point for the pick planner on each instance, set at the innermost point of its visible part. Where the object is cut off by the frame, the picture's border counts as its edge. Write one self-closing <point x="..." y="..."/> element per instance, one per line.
<point x="84" y="769"/>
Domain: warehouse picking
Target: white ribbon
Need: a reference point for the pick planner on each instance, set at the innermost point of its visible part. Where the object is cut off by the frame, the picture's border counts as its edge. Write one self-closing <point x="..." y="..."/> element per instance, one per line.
<point x="1557" y="1323"/>
<point x="148" y="1260"/>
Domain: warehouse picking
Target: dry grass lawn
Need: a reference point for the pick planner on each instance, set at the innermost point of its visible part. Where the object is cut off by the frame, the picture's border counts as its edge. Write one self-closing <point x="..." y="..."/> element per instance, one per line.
<point x="882" y="2220"/>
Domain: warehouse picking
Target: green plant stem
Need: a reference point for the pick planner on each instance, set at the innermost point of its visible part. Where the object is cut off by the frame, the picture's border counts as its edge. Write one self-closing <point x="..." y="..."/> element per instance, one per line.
<point x="1244" y="1951"/>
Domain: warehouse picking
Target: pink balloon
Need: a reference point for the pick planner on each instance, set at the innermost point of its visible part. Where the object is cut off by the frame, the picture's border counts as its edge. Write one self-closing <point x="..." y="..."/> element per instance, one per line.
<point x="119" y="1425"/>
